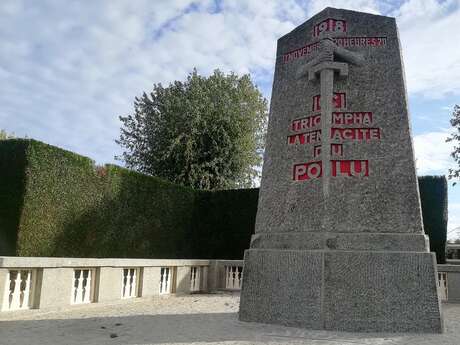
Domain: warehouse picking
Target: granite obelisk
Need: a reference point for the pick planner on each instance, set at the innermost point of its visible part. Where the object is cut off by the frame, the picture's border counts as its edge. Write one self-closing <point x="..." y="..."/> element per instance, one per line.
<point x="339" y="241"/>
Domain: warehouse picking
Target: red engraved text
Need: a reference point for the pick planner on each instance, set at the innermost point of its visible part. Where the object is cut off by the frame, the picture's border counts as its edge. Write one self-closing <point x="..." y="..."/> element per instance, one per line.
<point x="340" y="41"/>
<point x="360" y="41"/>
<point x="357" y="134"/>
<point x="305" y="123"/>
<point x="330" y="25"/>
<point x="307" y="171"/>
<point x="339" y="101"/>
<point x="303" y="51"/>
<point x="316" y="151"/>
<point x="305" y="138"/>
<point x="337" y="150"/>
<point x="354" y="168"/>
<point x="352" y="118"/>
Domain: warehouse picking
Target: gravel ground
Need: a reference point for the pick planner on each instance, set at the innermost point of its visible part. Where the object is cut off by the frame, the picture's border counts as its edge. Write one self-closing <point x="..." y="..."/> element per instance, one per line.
<point x="193" y="319"/>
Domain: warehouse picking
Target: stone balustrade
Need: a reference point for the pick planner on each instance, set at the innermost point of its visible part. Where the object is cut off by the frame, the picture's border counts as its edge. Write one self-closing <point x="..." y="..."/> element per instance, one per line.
<point x="52" y="283"/>
<point x="233" y="277"/>
<point x="449" y="283"/>
<point x="30" y="283"/>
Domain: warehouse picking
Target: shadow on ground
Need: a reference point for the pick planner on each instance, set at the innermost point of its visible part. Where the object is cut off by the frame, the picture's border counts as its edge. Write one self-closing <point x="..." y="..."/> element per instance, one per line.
<point x="201" y="328"/>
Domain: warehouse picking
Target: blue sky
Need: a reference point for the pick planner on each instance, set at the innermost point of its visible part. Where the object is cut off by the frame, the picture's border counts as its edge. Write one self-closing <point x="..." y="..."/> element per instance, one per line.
<point x="68" y="69"/>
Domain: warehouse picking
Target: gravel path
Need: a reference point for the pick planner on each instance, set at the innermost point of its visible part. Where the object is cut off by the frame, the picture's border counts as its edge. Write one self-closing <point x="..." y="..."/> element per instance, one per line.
<point x="194" y="319"/>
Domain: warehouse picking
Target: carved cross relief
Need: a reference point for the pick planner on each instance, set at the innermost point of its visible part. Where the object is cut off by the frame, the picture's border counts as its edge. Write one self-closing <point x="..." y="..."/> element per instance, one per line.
<point x="330" y="58"/>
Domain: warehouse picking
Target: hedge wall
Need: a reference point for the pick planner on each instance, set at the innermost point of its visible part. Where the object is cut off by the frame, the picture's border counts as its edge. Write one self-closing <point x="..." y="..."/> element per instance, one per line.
<point x="12" y="177"/>
<point x="57" y="203"/>
<point x="72" y="208"/>
<point x="433" y="195"/>
<point x="224" y="222"/>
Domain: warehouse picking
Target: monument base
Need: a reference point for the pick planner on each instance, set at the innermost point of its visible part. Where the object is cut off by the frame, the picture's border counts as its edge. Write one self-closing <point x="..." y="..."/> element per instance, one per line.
<point x="355" y="291"/>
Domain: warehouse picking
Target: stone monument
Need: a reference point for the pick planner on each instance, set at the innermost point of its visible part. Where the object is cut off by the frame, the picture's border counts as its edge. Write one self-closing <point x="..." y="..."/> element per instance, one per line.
<point x="339" y="241"/>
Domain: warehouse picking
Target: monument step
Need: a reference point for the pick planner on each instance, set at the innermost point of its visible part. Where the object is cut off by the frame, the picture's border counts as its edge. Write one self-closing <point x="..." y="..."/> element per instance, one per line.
<point x="341" y="241"/>
<point x="352" y="291"/>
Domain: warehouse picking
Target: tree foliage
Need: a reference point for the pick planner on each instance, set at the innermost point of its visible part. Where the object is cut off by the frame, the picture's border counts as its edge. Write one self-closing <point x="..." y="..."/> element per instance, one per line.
<point x="455" y="138"/>
<point x="205" y="132"/>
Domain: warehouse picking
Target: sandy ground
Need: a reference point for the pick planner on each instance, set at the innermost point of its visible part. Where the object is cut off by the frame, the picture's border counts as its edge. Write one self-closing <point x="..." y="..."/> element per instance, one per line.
<point x="194" y="319"/>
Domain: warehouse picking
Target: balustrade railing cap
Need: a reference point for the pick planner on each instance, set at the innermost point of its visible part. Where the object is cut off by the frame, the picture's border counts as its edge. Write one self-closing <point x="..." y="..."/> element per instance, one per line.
<point x="448" y="268"/>
<point x="231" y="262"/>
<point x="38" y="262"/>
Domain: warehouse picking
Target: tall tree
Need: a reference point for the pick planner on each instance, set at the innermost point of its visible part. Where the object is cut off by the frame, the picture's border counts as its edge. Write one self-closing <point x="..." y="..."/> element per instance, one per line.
<point x="455" y="138"/>
<point x="205" y="132"/>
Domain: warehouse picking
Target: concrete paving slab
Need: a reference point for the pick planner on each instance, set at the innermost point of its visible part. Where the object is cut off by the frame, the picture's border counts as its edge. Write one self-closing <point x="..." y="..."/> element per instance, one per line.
<point x="194" y="319"/>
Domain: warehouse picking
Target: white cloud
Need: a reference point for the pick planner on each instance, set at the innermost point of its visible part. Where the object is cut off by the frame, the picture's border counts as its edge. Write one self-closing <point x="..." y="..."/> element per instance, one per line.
<point x="430" y="49"/>
<point x="369" y="6"/>
<point x="68" y="69"/>
<point x="453" y="229"/>
<point x="432" y="153"/>
<point x="428" y="36"/>
<point x="449" y="108"/>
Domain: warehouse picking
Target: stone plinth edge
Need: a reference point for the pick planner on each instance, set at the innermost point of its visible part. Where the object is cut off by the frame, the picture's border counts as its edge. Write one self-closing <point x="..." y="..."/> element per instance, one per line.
<point x="342" y="290"/>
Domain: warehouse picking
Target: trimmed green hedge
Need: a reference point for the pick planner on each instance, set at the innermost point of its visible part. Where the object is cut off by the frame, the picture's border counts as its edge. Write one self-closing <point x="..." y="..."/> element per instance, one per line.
<point x="12" y="182"/>
<point x="224" y="222"/>
<point x="57" y="203"/>
<point x="72" y="208"/>
<point x="433" y="196"/>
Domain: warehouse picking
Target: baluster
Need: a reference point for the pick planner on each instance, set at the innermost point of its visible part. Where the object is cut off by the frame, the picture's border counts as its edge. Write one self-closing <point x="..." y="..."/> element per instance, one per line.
<point x="235" y="276"/>
<point x="440" y="284"/>
<point x="133" y="287"/>
<point x="88" y="288"/>
<point x="84" y="281"/>
<point x="227" y="277"/>
<point x="124" y="280"/>
<point x="78" y="286"/>
<point x="196" y="274"/>
<point x="161" y="280"/>
<point x="192" y="282"/>
<point x="74" y="287"/>
<point x="130" y="282"/>
<point x="85" y="286"/>
<point x="22" y="286"/>
<point x="10" y="288"/>
<point x="444" y="285"/>
<point x="15" y="303"/>
<point x="26" y="290"/>
<point x="237" y="270"/>
<point x="230" y="278"/>
<point x="167" y="277"/>
<point x="194" y="278"/>
<point x="241" y="277"/>
<point x="204" y="279"/>
<point x="197" y="278"/>
<point x="12" y="276"/>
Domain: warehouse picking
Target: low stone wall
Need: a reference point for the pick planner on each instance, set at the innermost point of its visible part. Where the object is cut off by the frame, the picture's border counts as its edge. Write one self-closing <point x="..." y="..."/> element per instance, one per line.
<point x="52" y="283"/>
<point x="449" y="283"/>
